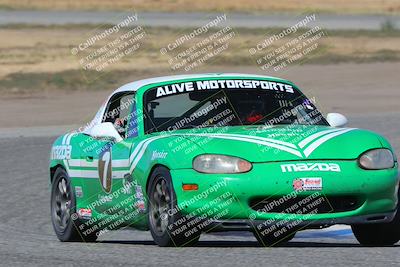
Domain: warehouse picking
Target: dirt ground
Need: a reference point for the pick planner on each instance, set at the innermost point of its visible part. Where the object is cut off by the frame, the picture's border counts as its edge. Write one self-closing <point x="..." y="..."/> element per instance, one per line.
<point x="347" y="88"/>
<point x="49" y="48"/>
<point x="348" y="6"/>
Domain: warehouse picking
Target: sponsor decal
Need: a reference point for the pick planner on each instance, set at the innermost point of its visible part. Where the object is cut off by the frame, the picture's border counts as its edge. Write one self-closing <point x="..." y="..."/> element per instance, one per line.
<point x="127" y="189"/>
<point x="305" y="167"/>
<point x="298" y="184"/>
<point x="141" y="206"/>
<point x="178" y="88"/>
<point x="85" y="213"/>
<point x="139" y="196"/>
<point x="308" y="104"/>
<point x="61" y="152"/>
<point x="78" y="191"/>
<point x="104" y="199"/>
<point x="307" y="183"/>
<point x="159" y="155"/>
<point x="127" y="186"/>
<point x="105" y="170"/>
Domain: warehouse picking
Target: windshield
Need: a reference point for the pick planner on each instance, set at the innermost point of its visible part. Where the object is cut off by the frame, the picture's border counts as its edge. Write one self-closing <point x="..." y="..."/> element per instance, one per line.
<point x="199" y="104"/>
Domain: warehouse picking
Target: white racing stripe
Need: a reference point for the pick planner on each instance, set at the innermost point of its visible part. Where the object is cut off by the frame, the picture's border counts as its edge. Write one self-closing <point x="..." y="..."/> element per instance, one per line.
<point x="136" y="150"/>
<point x="68" y="140"/>
<point x="249" y="140"/>
<point x="64" y="138"/>
<point x="94" y="174"/>
<point x="82" y="163"/>
<point x="84" y="173"/>
<point x="118" y="163"/>
<point x="315" y="136"/>
<point x="284" y="146"/>
<point x="261" y="139"/>
<point x="143" y="149"/>
<point x="322" y="140"/>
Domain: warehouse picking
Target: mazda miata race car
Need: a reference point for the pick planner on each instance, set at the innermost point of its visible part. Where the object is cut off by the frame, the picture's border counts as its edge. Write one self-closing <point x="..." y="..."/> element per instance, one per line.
<point x="184" y="155"/>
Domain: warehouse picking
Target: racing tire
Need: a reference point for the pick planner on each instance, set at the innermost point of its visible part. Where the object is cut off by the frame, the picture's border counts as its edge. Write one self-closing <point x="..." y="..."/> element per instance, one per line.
<point x="63" y="210"/>
<point x="378" y="234"/>
<point x="165" y="222"/>
<point x="269" y="240"/>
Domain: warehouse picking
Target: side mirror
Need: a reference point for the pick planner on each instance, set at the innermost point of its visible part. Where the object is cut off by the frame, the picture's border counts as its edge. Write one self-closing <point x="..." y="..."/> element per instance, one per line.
<point x="105" y="130"/>
<point x="336" y="119"/>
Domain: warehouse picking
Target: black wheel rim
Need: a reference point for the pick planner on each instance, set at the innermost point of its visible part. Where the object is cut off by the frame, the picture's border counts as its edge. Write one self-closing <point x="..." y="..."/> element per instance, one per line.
<point x="159" y="206"/>
<point x="61" y="204"/>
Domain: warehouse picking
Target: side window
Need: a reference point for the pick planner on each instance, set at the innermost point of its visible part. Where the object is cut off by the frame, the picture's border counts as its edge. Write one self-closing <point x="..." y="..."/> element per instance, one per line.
<point x="165" y="110"/>
<point x="119" y="111"/>
<point x="132" y="127"/>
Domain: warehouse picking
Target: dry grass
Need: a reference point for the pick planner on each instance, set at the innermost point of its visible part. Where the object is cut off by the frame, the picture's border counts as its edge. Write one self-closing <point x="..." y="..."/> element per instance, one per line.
<point x="332" y="6"/>
<point x="39" y="58"/>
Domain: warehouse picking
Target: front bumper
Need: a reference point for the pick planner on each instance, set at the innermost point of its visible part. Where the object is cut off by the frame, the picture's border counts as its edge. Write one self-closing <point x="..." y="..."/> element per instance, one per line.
<point x="240" y="197"/>
<point x="249" y="225"/>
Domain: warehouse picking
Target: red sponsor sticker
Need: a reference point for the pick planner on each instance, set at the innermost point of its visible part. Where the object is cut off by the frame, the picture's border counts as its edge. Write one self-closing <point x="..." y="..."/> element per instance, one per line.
<point x="85" y="213"/>
<point x="298" y="184"/>
<point x="308" y="183"/>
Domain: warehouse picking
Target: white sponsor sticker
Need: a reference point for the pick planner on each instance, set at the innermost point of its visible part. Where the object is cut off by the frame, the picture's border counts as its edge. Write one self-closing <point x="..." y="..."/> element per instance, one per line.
<point x="61" y="152"/>
<point x="305" y="167"/>
<point x="139" y="197"/>
<point x="222" y="84"/>
<point x="307" y="184"/>
<point x="78" y="191"/>
<point x="159" y="155"/>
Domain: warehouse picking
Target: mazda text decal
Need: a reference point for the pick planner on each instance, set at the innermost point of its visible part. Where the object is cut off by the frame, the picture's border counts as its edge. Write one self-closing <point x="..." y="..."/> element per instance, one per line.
<point x="61" y="152"/>
<point x="305" y="167"/>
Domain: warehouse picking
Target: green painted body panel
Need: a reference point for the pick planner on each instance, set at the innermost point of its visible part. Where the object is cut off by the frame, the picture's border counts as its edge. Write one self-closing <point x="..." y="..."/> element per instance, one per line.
<point x="347" y="146"/>
<point x="376" y="189"/>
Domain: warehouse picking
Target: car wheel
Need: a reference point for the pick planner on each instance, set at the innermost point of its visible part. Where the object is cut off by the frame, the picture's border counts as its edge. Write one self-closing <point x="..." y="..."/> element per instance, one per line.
<point x="62" y="207"/>
<point x="378" y="234"/>
<point x="269" y="240"/>
<point x="167" y="225"/>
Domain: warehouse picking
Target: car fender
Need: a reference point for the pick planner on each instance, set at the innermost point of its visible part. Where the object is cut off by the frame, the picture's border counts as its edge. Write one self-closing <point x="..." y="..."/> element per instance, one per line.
<point x="164" y="152"/>
<point x="62" y="151"/>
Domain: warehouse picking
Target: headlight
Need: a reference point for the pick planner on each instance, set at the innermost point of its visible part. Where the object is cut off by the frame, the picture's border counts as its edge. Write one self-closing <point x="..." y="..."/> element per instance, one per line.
<point x="377" y="159"/>
<point x="209" y="163"/>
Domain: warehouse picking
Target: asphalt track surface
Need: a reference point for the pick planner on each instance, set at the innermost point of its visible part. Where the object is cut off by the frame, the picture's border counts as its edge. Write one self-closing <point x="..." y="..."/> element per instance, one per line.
<point x="326" y="21"/>
<point x="27" y="236"/>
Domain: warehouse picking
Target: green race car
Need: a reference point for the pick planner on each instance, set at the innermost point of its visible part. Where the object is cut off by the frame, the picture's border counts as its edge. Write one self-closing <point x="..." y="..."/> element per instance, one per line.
<point x="183" y="155"/>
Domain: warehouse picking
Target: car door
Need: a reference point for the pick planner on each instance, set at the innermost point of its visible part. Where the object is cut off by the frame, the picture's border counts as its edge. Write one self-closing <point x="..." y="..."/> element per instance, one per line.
<point x="112" y="185"/>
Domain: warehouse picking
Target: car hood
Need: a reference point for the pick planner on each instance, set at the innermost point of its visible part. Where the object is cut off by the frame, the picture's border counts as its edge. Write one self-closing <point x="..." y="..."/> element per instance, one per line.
<point x="291" y="142"/>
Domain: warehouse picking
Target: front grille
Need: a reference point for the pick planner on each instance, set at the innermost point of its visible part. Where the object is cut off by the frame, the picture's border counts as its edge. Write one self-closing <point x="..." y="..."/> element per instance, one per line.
<point x="321" y="204"/>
